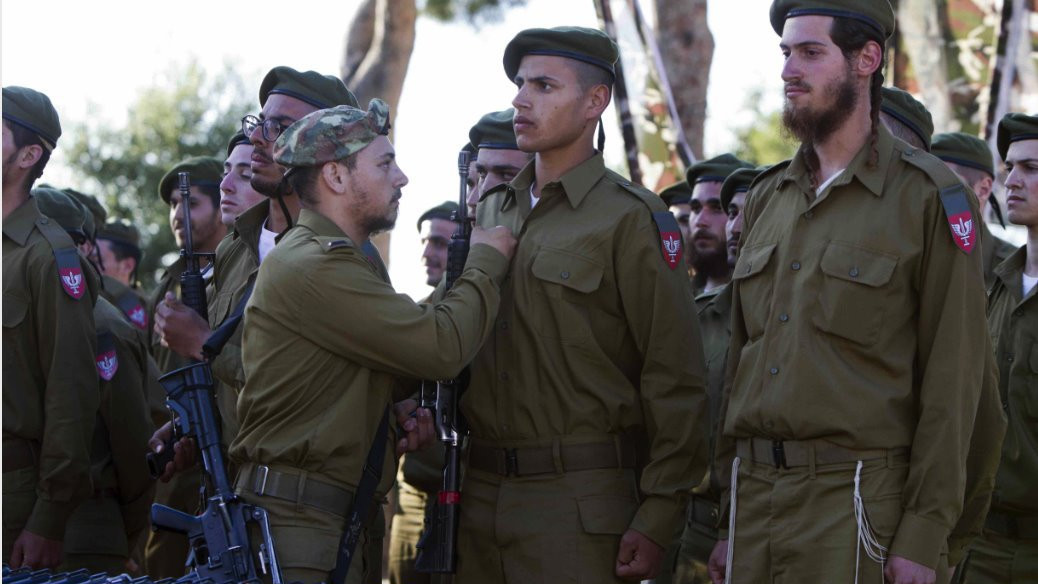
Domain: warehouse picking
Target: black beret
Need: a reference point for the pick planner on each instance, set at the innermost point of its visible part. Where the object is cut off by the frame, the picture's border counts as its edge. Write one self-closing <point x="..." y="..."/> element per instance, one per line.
<point x="676" y="194"/>
<point x="33" y="111"/>
<point x="447" y="210"/>
<point x="121" y="232"/>
<point x="1013" y="128"/>
<point x="737" y="182"/>
<point x="494" y="131"/>
<point x="964" y="150"/>
<point x="573" y="42"/>
<point x="205" y="171"/>
<point x="320" y="91"/>
<point x="60" y="207"/>
<point x="900" y="105"/>
<point x="238" y="139"/>
<point x="715" y="169"/>
<point x="876" y="13"/>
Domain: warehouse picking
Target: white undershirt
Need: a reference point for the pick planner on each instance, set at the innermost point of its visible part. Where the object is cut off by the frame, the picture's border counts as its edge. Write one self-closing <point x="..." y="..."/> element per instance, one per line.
<point x="266" y="242"/>
<point x="533" y="199"/>
<point x="1029" y="282"/>
<point x="821" y="188"/>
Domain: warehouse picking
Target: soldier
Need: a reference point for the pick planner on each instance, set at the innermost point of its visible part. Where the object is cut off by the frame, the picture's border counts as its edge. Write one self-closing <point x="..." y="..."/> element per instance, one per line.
<point x="498" y="158"/>
<point x="326" y="336"/>
<point x="1007" y="552"/>
<point x="119" y="253"/>
<point x="970" y="158"/>
<point x="50" y="384"/>
<point x="436" y="227"/>
<point x="236" y="192"/>
<point x="853" y="376"/>
<point x="906" y="117"/>
<point x="105" y="529"/>
<point x="707" y="250"/>
<point x="676" y="197"/>
<point x="587" y="420"/>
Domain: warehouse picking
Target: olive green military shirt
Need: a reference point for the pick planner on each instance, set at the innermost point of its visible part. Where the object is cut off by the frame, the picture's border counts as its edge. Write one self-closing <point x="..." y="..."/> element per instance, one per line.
<point x="165" y="359"/>
<point x="995" y="252"/>
<point x="50" y="384"/>
<point x="596" y="334"/>
<point x="326" y="338"/>
<point x="714" y="309"/>
<point x="129" y="302"/>
<point x="855" y="319"/>
<point x="1013" y="322"/>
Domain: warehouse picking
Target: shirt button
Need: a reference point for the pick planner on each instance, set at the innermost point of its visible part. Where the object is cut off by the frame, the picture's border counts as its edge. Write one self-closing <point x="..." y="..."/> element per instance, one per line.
<point x="795" y="266"/>
<point x="565" y="275"/>
<point x="854" y="272"/>
<point x="774" y="370"/>
<point x="783" y="318"/>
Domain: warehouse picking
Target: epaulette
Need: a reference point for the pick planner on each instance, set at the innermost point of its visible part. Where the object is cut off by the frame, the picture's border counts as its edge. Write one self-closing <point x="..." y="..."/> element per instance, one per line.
<point x="332" y="243"/>
<point x="70" y="271"/>
<point x="953" y="194"/>
<point x="769" y="171"/>
<point x="106" y="359"/>
<point x="671" y="244"/>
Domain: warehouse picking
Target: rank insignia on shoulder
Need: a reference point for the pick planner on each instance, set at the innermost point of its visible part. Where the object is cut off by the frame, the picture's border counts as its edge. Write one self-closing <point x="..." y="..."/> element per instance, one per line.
<point x="70" y="272"/>
<point x="106" y="360"/>
<point x="960" y="218"/>
<point x="670" y="238"/>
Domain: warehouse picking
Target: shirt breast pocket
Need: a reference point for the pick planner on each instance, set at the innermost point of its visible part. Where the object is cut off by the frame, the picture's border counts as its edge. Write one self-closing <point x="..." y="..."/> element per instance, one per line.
<point x="567" y="281"/>
<point x="855" y="292"/>
<point x="753" y="289"/>
<point x="15" y="308"/>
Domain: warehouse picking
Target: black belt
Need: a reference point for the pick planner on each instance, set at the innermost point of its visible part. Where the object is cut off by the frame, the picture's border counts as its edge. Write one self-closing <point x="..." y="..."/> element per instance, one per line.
<point x="791" y="453"/>
<point x="264" y="481"/>
<point x="19" y="454"/>
<point x="702" y="512"/>
<point x="1013" y="526"/>
<point x="553" y="459"/>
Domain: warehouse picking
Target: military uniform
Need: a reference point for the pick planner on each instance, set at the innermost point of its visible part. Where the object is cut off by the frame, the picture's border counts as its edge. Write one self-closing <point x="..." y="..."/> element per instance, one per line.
<point x="854" y="314"/>
<point x="129" y="302"/>
<point x="995" y="251"/>
<point x="50" y="385"/>
<point x="419" y="479"/>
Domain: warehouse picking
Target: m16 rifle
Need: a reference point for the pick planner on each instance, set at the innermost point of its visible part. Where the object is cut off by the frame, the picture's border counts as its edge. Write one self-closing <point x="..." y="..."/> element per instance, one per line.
<point x="437" y="549"/>
<point x="219" y="537"/>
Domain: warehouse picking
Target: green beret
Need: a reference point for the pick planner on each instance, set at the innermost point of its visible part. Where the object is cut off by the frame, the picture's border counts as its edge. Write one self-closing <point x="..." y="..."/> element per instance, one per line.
<point x="96" y="211"/>
<point x="737" y="182"/>
<point x="448" y="210"/>
<point x="237" y="139"/>
<point x="676" y="194"/>
<point x="62" y="208"/>
<point x="1015" y="127"/>
<point x="573" y="42"/>
<point x="206" y="171"/>
<point x="494" y="131"/>
<point x="876" y="13"/>
<point x="715" y="169"/>
<point x="964" y="150"/>
<point x="33" y="111"/>
<point x="120" y="231"/>
<point x="331" y="134"/>
<point x="320" y="91"/>
<point x="900" y="105"/>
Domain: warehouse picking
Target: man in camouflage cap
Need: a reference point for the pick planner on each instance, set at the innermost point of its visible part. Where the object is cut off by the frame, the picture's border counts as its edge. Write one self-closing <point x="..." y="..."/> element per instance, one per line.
<point x="707" y="250"/>
<point x="50" y="384"/>
<point x="970" y="159"/>
<point x="906" y="117"/>
<point x="327" y="336"/>
<point x="854" y="372"/>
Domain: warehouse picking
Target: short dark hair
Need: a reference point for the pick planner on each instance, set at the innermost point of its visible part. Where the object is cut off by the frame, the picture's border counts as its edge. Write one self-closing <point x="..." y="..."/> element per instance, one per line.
<point x="303" y="179"/>
<point x="589" y="75"/>
<point x="23" y="136"/>
<point x="123" y="249"/>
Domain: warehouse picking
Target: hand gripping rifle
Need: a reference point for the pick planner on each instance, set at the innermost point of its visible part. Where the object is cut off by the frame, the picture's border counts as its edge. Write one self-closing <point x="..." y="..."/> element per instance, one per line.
<point x="219" y="537"/>
<point x="437" y="549"/>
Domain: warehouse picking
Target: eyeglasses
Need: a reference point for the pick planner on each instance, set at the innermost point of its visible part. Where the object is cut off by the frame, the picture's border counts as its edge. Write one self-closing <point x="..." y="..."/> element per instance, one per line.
<point x="270" y="128"/>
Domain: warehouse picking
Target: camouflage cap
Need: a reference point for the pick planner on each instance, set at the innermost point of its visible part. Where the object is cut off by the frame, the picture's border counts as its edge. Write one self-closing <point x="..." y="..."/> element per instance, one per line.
<point x="33" y="111"/>
<point x="120" y="231"/>
<point x="96" y="214"/>
<point x="320" y="91"/>
<point x="447" y="210"/>
<point x="238" y="139"/>
<point x="676" y="194"/>
<point x="1015" y="127"/>
<point x="573" y="42"/>
<point x="964" y="150"/>
<point x="900" y="105"/>
<point x="715" y="169"/>
<point x="876" y="13"/>
<point x="737" y="182"/>
<point x="206" y="171"/>
<point x="331" y="134"/>
<point x="62" y="208"/>
<point x="494" y="131"/>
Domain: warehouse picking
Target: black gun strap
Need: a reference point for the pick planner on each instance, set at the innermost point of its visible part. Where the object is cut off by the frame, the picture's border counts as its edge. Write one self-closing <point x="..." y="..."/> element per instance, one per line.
<point x="223" y="333"/>
<point x="361" y="501"/>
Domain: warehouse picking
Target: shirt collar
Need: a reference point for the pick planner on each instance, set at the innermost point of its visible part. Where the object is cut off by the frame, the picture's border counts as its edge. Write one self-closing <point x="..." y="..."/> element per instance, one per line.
<point x="1006" y="271"/>
<point x="320" y="225"/>
<point x="575" y="184"/>
<point x="249" y="224"/>
<point x="19" y="224"/>
<point x="870" y="178"/>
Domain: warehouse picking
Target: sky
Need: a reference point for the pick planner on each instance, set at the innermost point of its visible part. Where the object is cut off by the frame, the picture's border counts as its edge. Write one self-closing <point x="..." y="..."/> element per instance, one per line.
<point x="93" y="58"/>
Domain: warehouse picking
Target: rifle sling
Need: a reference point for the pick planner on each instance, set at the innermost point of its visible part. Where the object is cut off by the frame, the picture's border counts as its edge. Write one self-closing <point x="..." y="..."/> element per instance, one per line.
<point x="223" y="333"/>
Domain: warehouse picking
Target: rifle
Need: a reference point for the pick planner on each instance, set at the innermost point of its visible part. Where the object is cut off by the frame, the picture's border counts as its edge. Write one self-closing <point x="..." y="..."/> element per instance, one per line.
<point x="437" y="548"/>
<point x="219" y="537"/>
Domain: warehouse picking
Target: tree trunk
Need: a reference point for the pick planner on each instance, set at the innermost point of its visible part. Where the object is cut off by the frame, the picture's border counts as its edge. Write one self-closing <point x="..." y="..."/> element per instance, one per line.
<point x="687" y="48"/>
<point x="923" y="42"/>
<point x="377" y="52"/>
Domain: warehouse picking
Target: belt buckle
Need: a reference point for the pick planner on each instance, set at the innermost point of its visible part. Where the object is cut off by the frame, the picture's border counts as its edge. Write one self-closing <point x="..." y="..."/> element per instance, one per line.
<point x="778" y="454"/>
<point x="511" y="462"/>
<point x="261" y="471"/>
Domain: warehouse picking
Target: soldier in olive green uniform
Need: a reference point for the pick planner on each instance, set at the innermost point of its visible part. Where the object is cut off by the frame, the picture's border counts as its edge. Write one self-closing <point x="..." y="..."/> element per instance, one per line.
<point x="326" y="338"/>
<point x="1007" y="552"/>
<point x="104" y="530"/>
<point x="676" y="197"/>
<point x="970" y="158"/>
<point x="119" y="242"/>
<point x="853" y="374"/>
<point x="166" y="553"/>
<point x="906" y="117"/>
<point x="587" y="405"/>
<point x="50" y="384"/>
<point x="707" y="248"/>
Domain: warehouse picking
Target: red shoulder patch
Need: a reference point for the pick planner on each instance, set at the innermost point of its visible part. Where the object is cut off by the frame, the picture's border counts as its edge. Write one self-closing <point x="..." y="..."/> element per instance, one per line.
<point x="670" y="238"/>
<point x="960" y="218"/>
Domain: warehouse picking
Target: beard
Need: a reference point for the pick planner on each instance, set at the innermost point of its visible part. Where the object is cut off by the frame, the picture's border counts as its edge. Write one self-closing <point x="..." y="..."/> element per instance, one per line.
<point x="377" y="221"/>
<point x="811" y="126"/>
<point x="710" y="261"/>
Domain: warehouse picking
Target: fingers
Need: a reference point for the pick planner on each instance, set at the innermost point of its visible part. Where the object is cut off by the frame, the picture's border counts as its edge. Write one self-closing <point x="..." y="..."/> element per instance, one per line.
<point x="18" y="554"/>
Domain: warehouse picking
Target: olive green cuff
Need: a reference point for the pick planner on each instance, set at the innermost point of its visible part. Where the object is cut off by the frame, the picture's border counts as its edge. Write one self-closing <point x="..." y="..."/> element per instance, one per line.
<point x="48" y="518"/>
<point x="920" y="540"/>
<point x="658" y="518"/>
<point x="488" y="260"/>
